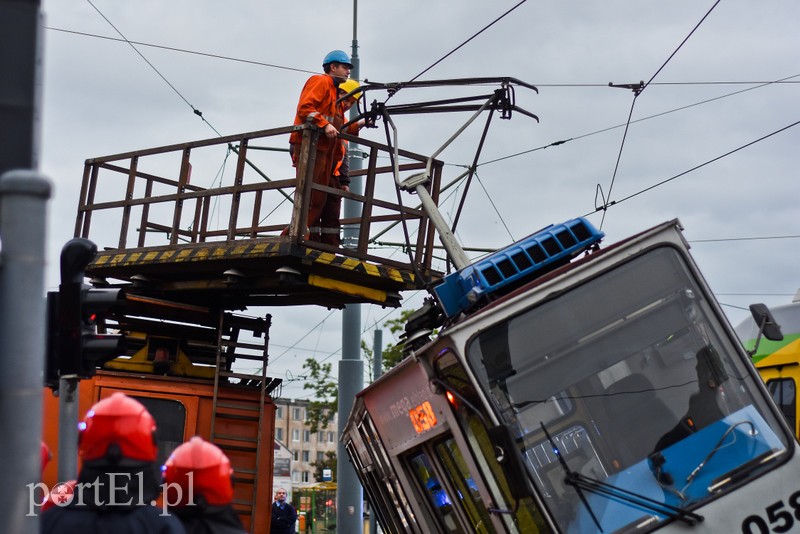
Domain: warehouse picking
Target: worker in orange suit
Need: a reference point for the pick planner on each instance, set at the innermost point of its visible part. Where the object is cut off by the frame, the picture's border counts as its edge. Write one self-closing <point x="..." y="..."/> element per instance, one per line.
<point x="328" y="226"/>
<point x="317" y="105"/>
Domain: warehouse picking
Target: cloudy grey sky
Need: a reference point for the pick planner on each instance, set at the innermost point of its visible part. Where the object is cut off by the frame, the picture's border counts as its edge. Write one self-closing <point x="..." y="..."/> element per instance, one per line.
<point x="712" y="97"/>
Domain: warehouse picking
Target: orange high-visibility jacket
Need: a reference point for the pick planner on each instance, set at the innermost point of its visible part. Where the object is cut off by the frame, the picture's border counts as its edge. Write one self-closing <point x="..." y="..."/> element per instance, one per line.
<point x="317" y="103"/>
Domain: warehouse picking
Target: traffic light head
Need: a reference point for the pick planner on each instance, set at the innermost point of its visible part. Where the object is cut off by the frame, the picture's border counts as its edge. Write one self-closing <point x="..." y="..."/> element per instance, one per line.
<point x="96" y="345"/>
<point x="77" y="337"/>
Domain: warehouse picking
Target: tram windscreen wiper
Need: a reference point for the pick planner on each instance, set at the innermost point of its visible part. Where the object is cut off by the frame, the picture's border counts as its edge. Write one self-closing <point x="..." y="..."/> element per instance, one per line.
<point x="598" y="487"/>
<point x="582" y="482"/>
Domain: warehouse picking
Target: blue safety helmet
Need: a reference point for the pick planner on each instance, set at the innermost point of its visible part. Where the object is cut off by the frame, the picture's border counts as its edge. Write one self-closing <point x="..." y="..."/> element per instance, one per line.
<point x="337" y="56"/>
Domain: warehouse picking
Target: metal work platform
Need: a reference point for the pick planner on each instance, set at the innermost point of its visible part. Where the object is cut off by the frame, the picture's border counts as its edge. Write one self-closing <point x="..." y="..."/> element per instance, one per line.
<point x="168" y="225"/>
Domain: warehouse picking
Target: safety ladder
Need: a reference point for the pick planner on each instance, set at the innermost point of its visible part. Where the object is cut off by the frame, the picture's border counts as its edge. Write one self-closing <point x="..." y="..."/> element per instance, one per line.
<point x="236" y="421"/>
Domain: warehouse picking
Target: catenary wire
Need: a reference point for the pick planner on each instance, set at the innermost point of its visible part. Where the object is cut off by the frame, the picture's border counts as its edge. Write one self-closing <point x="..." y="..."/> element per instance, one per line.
<point x="787" y="79"/>
<point x="183" y="50"/>
<point x="194" y="110"/>
<point x="305" y="71"/>
<point x="637" y="90"/>
<point x="662" y="182"/>
<point x="468" y="40"/>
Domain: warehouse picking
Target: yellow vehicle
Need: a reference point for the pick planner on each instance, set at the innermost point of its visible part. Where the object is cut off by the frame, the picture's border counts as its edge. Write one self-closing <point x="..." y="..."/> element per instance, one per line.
<point x="778" y="361"/>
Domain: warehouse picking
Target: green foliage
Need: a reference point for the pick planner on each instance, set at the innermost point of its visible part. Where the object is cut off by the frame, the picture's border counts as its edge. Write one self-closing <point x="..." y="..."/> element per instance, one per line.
<point x="329" y="462"/>
<point x="393" y="352"/>
<point x="320" y="411"/>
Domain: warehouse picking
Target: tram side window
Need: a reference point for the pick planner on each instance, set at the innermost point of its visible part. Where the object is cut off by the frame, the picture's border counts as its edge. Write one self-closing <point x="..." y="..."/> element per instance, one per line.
<point x="784" y="393"/>
<point x="170" y="416"/>
<point x="441" y="504"/>
<point x="384" y="472"/>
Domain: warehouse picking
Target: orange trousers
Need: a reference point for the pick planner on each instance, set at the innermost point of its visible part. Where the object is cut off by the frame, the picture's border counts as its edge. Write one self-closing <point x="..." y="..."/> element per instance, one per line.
<point x="320" y="202"/>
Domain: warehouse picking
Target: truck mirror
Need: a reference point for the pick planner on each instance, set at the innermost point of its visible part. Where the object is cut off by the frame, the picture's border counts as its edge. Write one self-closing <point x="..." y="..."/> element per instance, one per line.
<point x="766" y="322"/>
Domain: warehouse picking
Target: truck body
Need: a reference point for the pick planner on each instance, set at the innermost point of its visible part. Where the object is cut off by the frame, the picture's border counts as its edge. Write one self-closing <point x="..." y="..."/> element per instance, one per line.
<point x="182" y="408"/>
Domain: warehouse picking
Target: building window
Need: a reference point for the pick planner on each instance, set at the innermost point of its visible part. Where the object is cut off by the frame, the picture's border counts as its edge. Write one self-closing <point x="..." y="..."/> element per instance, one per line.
<point x="306" y="436"/>
<point x="320" y="437"/>
<point x="297" y="414"/>
<point x="306" y="477"/>
<point x="295" y="476"/>
<point x="331" y="437"/>
<point x="279" y="434"/>
<point x="279" y="412"/>
<point x="295" y="434"/>
<point x="294" y="455"/>
<point x="320" y="456"/>
<point x="306" y="456"/>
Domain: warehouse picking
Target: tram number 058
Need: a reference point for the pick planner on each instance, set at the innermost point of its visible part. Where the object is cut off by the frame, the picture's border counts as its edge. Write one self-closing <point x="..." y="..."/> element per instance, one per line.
<point x="780" y="518"/>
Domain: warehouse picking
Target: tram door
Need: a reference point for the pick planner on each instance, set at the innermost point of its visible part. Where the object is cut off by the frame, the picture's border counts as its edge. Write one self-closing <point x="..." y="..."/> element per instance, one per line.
<point x="442" y="479"/>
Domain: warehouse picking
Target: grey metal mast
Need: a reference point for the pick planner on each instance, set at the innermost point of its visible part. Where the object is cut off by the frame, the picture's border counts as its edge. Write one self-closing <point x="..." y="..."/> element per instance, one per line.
<point x="349" y="505"/>
<point x="23" y="203"/>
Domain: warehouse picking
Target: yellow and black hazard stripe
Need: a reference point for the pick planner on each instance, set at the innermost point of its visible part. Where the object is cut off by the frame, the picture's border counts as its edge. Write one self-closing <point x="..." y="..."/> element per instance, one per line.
<point x="111" y="259"/>
<point x="211" y="251"/>
<point x="361" y="267"/>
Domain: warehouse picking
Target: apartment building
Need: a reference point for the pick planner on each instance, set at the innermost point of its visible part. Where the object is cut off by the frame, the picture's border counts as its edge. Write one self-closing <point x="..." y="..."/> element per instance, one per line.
<point x="292" y="430"/>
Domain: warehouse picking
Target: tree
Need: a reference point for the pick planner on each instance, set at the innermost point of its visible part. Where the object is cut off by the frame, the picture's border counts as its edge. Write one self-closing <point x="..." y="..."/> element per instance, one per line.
<point x="320" y="411"/>
<point x="393" y="352"/>
<point x="329" y="462"/>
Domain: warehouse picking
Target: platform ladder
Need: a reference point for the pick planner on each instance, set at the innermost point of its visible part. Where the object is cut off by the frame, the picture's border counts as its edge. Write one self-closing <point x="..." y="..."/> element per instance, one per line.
<point x="236" y="422"/>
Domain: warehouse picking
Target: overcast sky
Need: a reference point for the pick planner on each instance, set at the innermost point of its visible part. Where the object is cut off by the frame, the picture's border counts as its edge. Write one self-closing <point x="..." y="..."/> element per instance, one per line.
<point x="100" y="97"/>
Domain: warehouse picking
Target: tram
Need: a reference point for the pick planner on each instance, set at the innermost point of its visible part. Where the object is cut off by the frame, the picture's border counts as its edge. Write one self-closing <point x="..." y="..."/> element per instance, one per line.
<point x="575" y="388"/>
<point x="777" y="359"/>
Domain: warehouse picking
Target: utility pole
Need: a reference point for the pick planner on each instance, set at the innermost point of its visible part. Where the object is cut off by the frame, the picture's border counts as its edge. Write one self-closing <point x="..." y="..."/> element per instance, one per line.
<point x="23" y="203"/>
<point x="349" y="505"/>
<point x="377" y="371"/>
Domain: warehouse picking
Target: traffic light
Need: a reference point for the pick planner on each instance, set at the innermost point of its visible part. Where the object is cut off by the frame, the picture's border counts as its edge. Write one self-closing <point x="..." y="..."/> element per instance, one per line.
<point x="98" y="346"/>
<point x="77" y="340"/>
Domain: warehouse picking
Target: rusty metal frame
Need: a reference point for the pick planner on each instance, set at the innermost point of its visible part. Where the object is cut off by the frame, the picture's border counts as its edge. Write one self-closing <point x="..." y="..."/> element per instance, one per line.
<point x="101" y="172"/>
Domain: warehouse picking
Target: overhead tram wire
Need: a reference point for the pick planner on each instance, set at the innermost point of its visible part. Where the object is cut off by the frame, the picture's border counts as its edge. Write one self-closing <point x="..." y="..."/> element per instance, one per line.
<point x="305" y="71"/>
<point x="757" y="84"/>
<point x="291" y="347"/>
<point x="480" y="182"/>
<point x="195" y="110"/>
<point x="453" y="51"/>
<point x="662" y="182"/>
<point x="400" y="86"/>
<point x="468" y="40"/>
<point x="637" y="90"/>
<point x="183" y="50"/>
<point x="787" y="79"/>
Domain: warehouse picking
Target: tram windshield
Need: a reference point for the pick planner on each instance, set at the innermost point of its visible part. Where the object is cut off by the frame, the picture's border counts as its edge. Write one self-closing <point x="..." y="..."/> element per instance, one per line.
<point x="639" y="388"/>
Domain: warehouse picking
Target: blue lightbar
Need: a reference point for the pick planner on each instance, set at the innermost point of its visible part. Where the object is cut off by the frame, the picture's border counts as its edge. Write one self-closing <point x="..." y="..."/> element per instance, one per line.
<point x="515" y="265"/>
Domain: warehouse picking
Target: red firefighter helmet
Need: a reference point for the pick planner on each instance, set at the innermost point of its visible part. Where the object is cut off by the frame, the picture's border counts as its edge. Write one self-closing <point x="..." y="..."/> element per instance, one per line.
<point x="121" y="423"/>
<point x="210" y="472"/>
